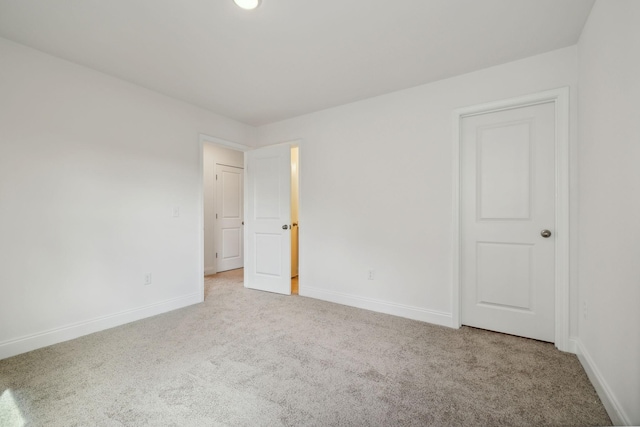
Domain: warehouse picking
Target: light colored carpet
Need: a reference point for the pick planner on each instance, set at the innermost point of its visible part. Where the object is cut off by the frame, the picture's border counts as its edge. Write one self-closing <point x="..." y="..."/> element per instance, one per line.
<point x="252" y="358"/>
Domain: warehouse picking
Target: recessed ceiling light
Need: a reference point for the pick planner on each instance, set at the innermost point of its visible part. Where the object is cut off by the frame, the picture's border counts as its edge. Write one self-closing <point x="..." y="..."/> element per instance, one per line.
<point x="247" y="4"/>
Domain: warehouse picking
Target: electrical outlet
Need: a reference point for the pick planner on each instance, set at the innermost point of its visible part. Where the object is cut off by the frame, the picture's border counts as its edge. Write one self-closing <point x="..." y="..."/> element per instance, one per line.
<point x="372" y="275"/>
<point x="584" y="310"/>
<point x="147" y="279"/>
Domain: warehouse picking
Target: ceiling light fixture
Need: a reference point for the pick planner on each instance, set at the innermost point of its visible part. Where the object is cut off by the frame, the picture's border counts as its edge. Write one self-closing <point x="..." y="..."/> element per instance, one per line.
<point x="247" y="4"/>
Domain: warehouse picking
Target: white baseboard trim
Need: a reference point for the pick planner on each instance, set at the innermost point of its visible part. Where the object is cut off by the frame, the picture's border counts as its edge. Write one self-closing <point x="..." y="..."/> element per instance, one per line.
<point x="410" y="312"/>
<point x="611" y="404"/>
<point x="68" y="332"/>
<point x="210" y="270"/>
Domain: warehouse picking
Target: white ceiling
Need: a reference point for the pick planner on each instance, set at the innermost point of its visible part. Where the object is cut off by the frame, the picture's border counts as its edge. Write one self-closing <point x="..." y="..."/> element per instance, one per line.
<point x="289" y="57"/>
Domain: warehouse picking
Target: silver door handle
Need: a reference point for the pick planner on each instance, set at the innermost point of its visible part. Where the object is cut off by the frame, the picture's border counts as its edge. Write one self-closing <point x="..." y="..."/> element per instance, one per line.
<point x="545" y="233"/>
<point x="285" y="227"/>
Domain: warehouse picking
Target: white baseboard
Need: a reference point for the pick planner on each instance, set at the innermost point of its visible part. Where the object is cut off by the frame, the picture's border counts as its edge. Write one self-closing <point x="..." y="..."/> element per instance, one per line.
<point x="410" y="312"/>
<point x="210" y="270"/>
<point x="68" y="332"/>
<point x="611" y="404"/>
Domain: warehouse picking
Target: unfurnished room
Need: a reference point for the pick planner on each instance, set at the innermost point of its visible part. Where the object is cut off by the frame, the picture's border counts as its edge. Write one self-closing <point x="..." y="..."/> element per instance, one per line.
<point x="331" y="213"/>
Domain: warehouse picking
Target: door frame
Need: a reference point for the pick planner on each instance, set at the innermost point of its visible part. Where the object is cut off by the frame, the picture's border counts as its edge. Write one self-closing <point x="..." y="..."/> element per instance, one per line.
<point x="560" y="98"/>
<point x="202" y="140"/>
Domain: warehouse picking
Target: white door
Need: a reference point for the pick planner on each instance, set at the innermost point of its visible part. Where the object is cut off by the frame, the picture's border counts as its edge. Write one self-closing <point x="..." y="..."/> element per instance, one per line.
<point x="507" y="206"/>
<point x="229" y="217"/>
<point x="268" y="219"/>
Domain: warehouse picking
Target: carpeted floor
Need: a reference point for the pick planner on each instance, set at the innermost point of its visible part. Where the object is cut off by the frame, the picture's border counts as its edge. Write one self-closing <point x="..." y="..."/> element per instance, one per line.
<point x="252" y="358"/>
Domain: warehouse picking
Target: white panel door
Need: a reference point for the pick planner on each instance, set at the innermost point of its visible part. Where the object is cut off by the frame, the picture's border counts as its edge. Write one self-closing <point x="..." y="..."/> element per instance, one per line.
<point x="507" y="203"/>
<point x="229" y="217"/>
<point x="268" y="220"/>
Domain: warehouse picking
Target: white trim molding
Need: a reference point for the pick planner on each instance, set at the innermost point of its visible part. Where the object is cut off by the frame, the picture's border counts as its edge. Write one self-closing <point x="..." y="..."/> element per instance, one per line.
<point x="380" y="306"/>
<point x="68" y="332"/>
<point x="560" y="98"/>
<point x="223" y="142"/>
<point x="611" y="404"/>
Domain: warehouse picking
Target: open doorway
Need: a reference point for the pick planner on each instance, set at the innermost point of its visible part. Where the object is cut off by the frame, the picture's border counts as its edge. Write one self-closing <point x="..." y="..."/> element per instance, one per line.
<point x="270" y="198"/>
<point x="295" y="225"/>
<point x="222" y="241"/>
<point x="223" y="170"/>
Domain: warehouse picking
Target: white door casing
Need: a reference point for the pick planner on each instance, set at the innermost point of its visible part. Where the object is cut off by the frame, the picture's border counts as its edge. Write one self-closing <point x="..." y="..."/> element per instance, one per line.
<point x="559" y="99"/>
<point x="229" y="217"/>
<point x="268" y="212"/>
<point x="507" y="199"/>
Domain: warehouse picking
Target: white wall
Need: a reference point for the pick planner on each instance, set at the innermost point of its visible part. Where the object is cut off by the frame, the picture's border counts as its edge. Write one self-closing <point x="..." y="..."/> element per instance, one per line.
<point x="213" y="154"/>
<point x="609" y="218"/>
<point x="376" y="187"/>
<point x="90" y="170"/>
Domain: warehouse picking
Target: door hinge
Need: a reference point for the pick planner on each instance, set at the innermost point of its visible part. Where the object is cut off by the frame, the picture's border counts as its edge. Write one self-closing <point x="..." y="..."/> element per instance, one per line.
<point x="216" y="216"/>
<point x="216" y="177"/>
<point x="216" y="254"/>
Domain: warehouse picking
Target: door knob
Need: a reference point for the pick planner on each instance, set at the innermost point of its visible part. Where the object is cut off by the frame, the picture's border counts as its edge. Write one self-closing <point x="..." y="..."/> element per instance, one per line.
<point x="285" y="227"/>
<point x="545" y="233"/>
